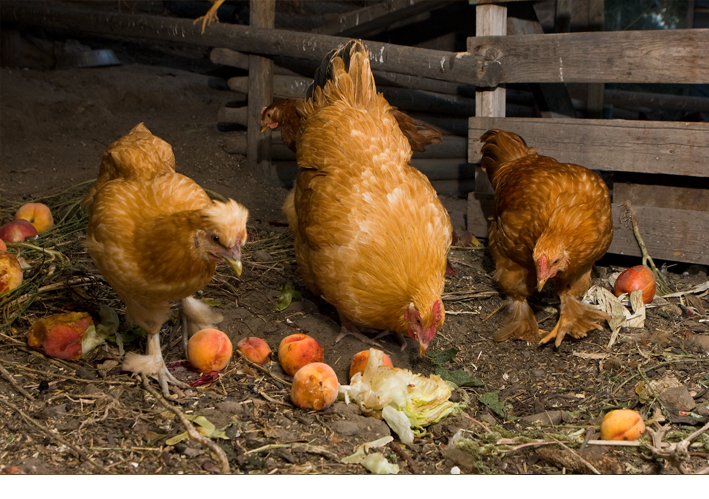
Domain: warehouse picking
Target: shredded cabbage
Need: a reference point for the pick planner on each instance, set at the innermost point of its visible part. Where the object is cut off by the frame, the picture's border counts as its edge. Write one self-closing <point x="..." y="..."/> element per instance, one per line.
<point x="406" y="401"/>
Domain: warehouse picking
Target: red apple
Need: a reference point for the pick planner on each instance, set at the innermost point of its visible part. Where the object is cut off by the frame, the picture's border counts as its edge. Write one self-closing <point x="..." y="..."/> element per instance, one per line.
<point x="638" y="277"/>
<point x="37" y="214"/>
<point x="17" y="231"/>
<point x="298" y="350"/>
<point x="10" y="272"/>
<point x="314" y="386"/>
<point x="209" y="350"/>
<point x="254" y="349"/>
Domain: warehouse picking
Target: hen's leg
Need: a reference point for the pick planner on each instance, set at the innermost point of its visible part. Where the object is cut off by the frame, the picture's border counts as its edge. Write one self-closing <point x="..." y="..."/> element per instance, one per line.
<point x="518" y="283"/>
<point x="211" y="15"/>
<point x="349" y="328"/>
<point x="575" y="318"/>
<point x="152" y="364"/>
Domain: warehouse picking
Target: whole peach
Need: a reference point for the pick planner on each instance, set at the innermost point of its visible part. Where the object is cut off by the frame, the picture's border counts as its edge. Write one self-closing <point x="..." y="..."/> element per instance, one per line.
<point x="10" y="272"/>
<point x="37" y="214"/>
<point x="298" y="350"/>
<point x="17" y="231"/>
<point x="209" y="350"/>
<point x="622" y="424"/>
<point x="359" y="362"/>
<point x="314" y="386"/>
<point x="254" y="349"/>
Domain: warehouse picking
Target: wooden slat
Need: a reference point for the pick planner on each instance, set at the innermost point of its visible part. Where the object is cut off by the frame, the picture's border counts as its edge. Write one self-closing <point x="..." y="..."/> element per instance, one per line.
<point x="674" y="148"/>
<point x="677" y="235"/>
<point x="359" y="22"/>
<point x="663" y="56"/>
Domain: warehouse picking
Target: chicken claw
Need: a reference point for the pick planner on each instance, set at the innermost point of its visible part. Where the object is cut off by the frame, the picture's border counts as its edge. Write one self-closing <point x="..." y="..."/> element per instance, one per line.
<point x="152" y="364"/>
<point x="349" y="328"/>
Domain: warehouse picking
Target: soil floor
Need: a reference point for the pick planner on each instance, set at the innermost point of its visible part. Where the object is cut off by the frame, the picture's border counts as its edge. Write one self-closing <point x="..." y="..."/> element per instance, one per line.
<point x="90" y="417"/>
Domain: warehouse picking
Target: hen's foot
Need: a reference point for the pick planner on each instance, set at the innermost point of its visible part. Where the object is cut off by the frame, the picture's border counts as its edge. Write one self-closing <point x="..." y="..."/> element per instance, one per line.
<point x="400" y="338"/>
<point x="575" y="319"/>
<point x="519" y="323"/>
<point x="153" y="365"/>
<point x="210" y="17"/>
<point x="349" y="328"/>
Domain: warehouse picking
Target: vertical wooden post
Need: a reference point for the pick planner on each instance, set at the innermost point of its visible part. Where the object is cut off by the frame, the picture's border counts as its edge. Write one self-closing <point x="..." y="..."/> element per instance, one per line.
<point x="262" y="15"/>
<point x="490" y="20"/>
<point x="594" y="98"/>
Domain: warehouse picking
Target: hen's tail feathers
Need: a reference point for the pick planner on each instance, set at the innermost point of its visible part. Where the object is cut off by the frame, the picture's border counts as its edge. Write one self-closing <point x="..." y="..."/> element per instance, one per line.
<point x="501" y="147"/>
<point x="419" y="134"/>
<point x="197" y="315"/>
<point x="520" y="323"/>
<point x="140" y="154"/>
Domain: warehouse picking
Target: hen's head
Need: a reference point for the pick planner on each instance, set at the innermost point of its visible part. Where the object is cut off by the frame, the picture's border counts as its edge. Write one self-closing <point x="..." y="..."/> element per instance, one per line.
<point x="423" y="326"/>
<point x="550" y="258"/>
<point x="223" y="233"/>
<point x="271" y="116"/>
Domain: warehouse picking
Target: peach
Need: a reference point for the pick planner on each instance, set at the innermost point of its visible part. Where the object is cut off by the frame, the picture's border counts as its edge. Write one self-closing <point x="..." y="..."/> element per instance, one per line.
<point x="10" y="272"/>
<point x="17" y="231"/>
<point x="298" y="350"/>
<point x="37" y="214"/>
<point x="209" y="350"/>
<point x="314" y="386"/>
<point x="622" y="424"/>
<point x="359" y="362"/>
<point x="3" y="246"/>
<point x="254" y="349"/>
<point x="68" y="336"/>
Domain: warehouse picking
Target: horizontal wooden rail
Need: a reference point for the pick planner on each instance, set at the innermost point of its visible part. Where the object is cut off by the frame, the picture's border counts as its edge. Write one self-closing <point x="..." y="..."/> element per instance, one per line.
<point x="450" y="66"/>
<point x="673" y="148"/>
<point x="661" y="56"/>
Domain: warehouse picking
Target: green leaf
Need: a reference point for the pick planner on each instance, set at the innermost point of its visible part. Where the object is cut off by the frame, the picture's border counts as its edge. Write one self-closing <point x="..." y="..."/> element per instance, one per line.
<point x="212" y="302"/>
<point x="286" y="296"/>
<point x="444" y="356"/>
<point x="176" y="439"/>
<point x="492" y="401"/>
<point x="459" y="377"/>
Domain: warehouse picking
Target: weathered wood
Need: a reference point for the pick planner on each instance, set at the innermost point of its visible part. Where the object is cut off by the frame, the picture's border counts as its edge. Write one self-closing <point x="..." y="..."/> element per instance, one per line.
<point x="674" y="148"/>
<point x="624" y="98"/>
<point x="233" y="115"/>
<point x="262" y="15"/>
<point x="677" y="235"/>
<point x="490" y="20"/>
<point x="284" y="86"/>
<point x="360" y="22"/>
<point x="595" y="94"/>
<point x="441" y="65"/>
<point x="663" y="56"/>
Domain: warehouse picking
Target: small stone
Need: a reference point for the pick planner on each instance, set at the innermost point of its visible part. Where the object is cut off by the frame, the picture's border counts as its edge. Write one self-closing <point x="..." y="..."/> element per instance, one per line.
<point x="231" y="407"/>
<point x="487" y="418"/>
<point x="345" y="428"/>
<point x="679" y="398"/>
<point x="702" y="341"/>
<point x="701" y="410"/>
<point x="538" y="373"/>
<point x="262" y="256"/>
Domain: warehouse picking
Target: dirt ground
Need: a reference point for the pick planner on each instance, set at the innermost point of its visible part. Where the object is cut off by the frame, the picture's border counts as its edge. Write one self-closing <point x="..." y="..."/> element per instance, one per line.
<point x="90" y="417"/>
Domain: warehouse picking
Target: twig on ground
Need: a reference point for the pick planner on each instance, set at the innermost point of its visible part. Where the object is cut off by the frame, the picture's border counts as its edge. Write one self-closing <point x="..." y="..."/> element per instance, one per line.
<point x="677" y="454"/>
<point x="55" y="435"/>
<point x="484" y="427"/>
<point x="415" y="468"/>
<point x="14" y="383"/>
<point x="629" y="215"/>
<point x="589" y="465"/>
<point x="262" y="369"/>
<point x="267" y="447"/>
<point x="191" y="431"/>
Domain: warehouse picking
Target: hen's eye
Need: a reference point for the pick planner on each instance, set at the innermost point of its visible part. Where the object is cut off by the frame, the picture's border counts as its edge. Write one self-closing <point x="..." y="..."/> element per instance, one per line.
<point x="215" y="238"/>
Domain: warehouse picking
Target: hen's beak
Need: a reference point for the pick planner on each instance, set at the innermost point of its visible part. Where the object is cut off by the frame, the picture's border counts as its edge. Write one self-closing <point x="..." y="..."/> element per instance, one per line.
<point x="540" y="284"/>
<point x="263" y="128"/>
<point x="235" y="263"/>
<point x="422" y="349"/>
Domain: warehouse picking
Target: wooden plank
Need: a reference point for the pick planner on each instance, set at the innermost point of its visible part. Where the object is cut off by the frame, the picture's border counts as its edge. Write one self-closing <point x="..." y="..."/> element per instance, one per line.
<point x="663" y="56"/>
<point x="676" y="235"/>
<point x="673" y="148"/>
<point x="360" y="22"/>
<point x="662" y="191"/>
<point x="459" y="67"/>
<point x="625" y="98"/>
<point x="490" y="20"/>
<point x="262" y="15"/>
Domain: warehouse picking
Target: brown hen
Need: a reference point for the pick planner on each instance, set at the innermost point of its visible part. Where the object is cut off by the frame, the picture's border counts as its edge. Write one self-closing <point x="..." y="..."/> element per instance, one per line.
<point x="156" y="237"/>
<point x="551" y="220"/>
<point x="371" y="235"/>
